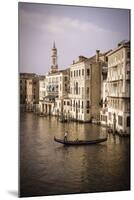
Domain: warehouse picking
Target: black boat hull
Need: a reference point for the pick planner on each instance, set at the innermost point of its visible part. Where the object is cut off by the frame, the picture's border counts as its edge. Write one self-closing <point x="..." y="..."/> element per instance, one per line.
<point x="80" y="142"/>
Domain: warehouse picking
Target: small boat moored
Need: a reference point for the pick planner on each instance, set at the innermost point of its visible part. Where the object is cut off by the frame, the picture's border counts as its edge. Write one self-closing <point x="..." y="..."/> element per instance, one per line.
<point x="80" y="142"/>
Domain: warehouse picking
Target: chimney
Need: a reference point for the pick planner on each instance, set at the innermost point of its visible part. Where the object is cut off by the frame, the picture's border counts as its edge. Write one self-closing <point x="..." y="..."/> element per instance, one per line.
<point x="97" y="55"/>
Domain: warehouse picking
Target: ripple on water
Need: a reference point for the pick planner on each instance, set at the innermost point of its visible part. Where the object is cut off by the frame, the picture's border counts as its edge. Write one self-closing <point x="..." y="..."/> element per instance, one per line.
<point x="51" y="168"/>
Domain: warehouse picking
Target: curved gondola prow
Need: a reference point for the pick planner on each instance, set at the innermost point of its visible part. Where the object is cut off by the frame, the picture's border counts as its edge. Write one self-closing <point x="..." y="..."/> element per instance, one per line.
<point x="54" y="138"/>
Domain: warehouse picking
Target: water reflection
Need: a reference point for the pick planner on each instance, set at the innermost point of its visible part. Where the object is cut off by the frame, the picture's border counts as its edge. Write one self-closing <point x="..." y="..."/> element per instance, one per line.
<point x="47" y="167"/>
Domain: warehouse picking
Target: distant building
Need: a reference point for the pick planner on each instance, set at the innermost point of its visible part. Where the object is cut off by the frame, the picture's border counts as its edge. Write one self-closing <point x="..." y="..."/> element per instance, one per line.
<point x="53" y="88"/>
<point x="56" y="90"/>
<point x="29" y="94"/>
<point x="54" y="66"/>
<point x="118" y="88"/>
<point x="35" y="93"/>
<point x="104" y="102"/>
<point x="23" y="88"/>
<point x="42" y="93"/>
<point x="29" y="91"/>
<point x="22" y="91"/>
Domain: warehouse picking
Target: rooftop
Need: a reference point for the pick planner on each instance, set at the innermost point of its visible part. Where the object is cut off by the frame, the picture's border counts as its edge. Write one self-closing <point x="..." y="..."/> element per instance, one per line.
<point x="122" y="44"/>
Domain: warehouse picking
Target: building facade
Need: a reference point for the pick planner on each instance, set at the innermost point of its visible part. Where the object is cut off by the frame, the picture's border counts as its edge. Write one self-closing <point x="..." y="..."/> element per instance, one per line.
<point x="104" y="102"/>
<point x="118" y="88"/>
<point x="29" y="94"/>
<point x="42" y="93"/>
<point x="85" y="88"/>
<point x="29" y="91"/>
<point x="57" y="84"/>
<point x="23" y="89"/>
<point x="54" y="88"/>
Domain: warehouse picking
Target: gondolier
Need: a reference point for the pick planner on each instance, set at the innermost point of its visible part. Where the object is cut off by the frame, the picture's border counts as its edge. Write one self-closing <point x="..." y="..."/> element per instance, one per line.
<point x="65" y="135"/>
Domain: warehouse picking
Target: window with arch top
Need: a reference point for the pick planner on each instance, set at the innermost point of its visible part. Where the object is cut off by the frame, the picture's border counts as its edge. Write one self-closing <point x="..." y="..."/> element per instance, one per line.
<point x="76" y="87"/>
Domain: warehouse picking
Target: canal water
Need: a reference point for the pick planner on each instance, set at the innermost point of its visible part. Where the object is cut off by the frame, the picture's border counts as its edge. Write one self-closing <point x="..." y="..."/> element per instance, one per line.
<point x="49" y="168"/>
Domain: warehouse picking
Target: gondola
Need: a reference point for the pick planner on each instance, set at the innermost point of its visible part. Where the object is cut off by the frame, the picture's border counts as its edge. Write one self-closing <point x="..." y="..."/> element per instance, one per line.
<point x="80" y="142"/>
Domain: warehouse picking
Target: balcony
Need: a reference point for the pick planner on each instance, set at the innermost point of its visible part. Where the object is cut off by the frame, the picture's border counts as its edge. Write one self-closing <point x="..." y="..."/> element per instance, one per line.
<point x="113" y="93"/>
<point x="118" y="94"/>
<point x="124" y="95"/>
<point x="115" y="78"/>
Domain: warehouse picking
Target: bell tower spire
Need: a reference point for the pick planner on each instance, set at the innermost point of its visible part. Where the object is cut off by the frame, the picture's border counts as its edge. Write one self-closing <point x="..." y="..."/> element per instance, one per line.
<point x="54" y="44"/>
<point x="54" y="66"/>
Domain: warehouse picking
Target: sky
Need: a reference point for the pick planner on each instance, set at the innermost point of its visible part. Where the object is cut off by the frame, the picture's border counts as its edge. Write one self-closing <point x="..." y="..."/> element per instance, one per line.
<point x="76" y="31"/>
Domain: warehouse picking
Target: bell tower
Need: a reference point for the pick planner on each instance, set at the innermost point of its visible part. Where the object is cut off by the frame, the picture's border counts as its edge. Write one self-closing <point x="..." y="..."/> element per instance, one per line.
<point x="54" y="66"/>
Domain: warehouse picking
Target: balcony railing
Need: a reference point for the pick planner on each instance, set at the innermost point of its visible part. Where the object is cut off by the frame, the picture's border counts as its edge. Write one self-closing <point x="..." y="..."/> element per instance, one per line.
<point x="118" y="94"/>
<point x="115" y="78"/>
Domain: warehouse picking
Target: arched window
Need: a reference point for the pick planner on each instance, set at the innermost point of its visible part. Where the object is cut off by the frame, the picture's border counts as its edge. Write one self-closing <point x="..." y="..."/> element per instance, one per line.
<point x="79" y="104"/>
<point x="76" y="87"/>
<point x="87" y="91"/>
<point x="82" y="104"/>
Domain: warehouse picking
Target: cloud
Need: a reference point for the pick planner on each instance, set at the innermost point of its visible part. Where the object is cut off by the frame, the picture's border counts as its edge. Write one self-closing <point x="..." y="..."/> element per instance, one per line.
<point x="58" y="25"/>
<point x="74" y="36"/>
<point x="55" y="24"/>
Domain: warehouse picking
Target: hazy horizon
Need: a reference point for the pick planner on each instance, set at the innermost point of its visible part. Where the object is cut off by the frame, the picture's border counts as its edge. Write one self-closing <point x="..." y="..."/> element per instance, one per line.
<point x="76" y="30"/>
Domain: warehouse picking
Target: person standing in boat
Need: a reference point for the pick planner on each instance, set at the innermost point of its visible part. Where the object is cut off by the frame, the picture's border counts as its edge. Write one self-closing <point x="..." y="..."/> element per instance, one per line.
<point x="65" y="135"/>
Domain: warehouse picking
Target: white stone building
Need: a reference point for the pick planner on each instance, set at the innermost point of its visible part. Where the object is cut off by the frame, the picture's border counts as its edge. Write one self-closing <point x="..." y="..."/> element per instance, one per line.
<point x="85" y="88"/>
<point x="104" y="108"/>
<point x="118" y="88"/>
<point x="56" y="87"/>
<point x="42" y="93"/>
